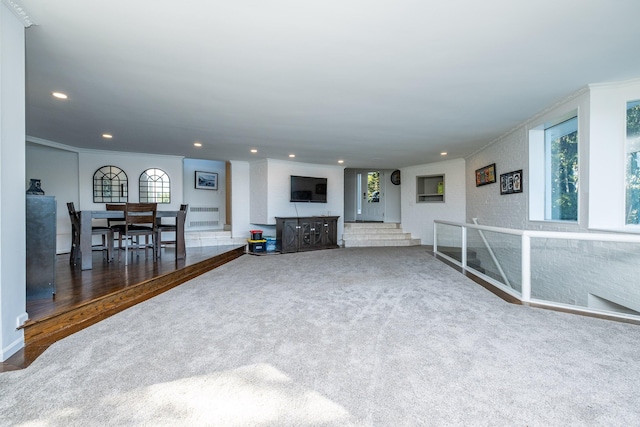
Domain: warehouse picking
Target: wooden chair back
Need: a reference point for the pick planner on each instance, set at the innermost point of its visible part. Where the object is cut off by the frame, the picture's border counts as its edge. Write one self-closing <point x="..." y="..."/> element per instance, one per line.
<point x="73" y="215"/>
<point x="140" y="215"/>
<point x="115" y="207"/>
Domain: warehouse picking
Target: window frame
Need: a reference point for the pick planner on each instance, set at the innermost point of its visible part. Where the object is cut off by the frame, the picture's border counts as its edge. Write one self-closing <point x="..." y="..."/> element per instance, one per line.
<point x="165" y="180"/>
<point x="112" y="174"/>
<point x="633" y="103"/>
<point x="539" y="173"/>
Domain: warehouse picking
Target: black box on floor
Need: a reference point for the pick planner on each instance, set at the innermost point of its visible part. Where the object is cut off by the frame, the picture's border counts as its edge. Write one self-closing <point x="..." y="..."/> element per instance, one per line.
<point x="257" y="245"/>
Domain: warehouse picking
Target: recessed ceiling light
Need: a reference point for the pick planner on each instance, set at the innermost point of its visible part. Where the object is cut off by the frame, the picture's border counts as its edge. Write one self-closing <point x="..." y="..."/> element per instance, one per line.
<point x="444" y="153"/>
<point x="197" y="144"/>
<point x="292" y="155"/>
<point x="253" y="150"/>
<point x="59" y="95"/>
<point x="340" y="161"/>
<point x="107" y="135"/>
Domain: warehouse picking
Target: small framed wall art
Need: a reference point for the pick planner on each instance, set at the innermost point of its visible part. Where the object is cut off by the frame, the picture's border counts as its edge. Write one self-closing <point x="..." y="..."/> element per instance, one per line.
<point x="511" y="182"/>
<point x="206" y="180"/>
<point x="486" y="175"/>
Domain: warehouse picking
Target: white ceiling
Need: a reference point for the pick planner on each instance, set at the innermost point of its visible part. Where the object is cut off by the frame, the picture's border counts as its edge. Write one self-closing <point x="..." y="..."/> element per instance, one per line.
<point x="378" y="83"/>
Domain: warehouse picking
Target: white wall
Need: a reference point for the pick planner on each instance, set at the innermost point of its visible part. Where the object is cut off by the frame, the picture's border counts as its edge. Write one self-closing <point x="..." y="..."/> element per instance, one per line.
<point x="205" y="198"/>
<point x="392" y="198"/>
<point x="350" y="188"/>
<point x="259" y="198"/>
<point x="67" y="174"/>
<point x="12" y="176"/>
<point x="60" y="181"/>
<point x="133" y="164"/>
<point x="607" y="163"/>
<point x="240" y="199"/>
<point x="566" y="271"/>
<point x="391" y="195"/>
<point x="511" y="153"/>
<point x="417" y="218"/>
<point x="278" y="183"/>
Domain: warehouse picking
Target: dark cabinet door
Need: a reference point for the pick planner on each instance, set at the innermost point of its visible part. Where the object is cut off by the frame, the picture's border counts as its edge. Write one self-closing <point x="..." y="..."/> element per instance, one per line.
<point x="311" y="233"/>
<point x="306" y="233"/>
<point x="330" y="234"/>
<point x="287" y="234"/>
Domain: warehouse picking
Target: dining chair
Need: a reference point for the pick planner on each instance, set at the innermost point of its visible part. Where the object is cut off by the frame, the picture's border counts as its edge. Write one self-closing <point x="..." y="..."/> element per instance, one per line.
<point x="105" y="233"/>
<point x="166" y="228"/>
<point x="140" y="220"/>
<point x="116" y="225"/>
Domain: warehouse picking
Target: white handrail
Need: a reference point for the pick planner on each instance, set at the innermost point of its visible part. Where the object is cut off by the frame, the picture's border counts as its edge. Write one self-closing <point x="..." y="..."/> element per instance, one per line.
<point x="567" y="235"/>
<point x="481" y="227"/>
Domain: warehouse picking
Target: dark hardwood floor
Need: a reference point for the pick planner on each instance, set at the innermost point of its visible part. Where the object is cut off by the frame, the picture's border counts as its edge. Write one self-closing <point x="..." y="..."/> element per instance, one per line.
<point x="85" y="297"/>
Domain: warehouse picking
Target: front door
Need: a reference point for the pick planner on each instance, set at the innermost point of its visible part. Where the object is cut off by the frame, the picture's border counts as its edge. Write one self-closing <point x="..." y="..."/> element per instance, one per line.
<point x="370" y="205"/>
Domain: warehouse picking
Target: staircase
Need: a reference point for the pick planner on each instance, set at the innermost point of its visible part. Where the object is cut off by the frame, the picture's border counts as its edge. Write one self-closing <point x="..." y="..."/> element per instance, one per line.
<point x="194" y="239"/>
<point x="366" y="234"/>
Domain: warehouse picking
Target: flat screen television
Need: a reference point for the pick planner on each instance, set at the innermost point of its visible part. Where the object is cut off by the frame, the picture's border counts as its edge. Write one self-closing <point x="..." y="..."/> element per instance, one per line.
<point x="308" y="189"/>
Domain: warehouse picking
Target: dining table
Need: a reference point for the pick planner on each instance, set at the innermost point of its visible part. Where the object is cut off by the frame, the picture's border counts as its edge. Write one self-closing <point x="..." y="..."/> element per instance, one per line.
<point x="87" y="217"/>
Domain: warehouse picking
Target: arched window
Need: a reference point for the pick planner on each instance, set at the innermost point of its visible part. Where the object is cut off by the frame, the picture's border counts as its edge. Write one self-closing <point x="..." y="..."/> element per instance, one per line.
<point x="110" y="184"/>
<point x="155" y="186"/>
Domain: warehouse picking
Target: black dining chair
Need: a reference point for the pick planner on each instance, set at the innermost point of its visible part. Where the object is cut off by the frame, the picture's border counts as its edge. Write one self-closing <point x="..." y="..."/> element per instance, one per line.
<point x="116" y="225"/>
<point x="105" y="232"/>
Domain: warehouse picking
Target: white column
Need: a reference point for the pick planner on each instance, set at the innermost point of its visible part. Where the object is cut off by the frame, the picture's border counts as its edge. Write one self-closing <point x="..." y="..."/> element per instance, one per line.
<point x="12" y="182"/>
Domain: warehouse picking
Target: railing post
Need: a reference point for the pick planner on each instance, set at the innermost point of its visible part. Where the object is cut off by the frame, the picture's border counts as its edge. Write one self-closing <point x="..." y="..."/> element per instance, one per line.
<point x="464" y="247"/>
<point x="526" y="268"/>
<point x="435" y="237"/>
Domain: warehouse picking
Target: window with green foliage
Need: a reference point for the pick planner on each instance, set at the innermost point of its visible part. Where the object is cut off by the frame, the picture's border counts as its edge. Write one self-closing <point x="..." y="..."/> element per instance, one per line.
<point x="373" y="187"/>
<point x="561" y="149"/>
<point x="632" y="149"/>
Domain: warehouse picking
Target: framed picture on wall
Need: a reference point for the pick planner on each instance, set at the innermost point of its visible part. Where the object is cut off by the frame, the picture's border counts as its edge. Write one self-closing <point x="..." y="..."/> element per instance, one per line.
<point x="511" y="182"/>
<point x="486" y="175"/>
<point x="206" y="180"/>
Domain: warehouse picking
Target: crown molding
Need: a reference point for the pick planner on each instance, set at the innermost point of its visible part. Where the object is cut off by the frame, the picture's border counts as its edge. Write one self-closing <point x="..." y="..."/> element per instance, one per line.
<point x="19" y="11"/>
<point x="64" y="147"/>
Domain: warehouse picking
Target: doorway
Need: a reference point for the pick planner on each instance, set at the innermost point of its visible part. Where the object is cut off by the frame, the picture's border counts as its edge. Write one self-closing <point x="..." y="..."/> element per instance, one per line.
<point x="369" y="196"/>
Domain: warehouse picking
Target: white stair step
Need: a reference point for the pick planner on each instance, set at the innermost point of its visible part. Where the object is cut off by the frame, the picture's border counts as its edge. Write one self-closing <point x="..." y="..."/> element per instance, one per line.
<point x="367" y="234"/>
<point x="348" y="225"/>
<point x="371" y="231"/>
<point x="381" y="236"/>
<point x="386" y="243"/>
<point x="194" y="239"/>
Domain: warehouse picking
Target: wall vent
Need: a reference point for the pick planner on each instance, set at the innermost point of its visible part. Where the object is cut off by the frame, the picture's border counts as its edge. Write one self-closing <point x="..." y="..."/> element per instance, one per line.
<point x="199" y="224"/>
<point x="201" y="217"/>
<point x="202" y="209"/>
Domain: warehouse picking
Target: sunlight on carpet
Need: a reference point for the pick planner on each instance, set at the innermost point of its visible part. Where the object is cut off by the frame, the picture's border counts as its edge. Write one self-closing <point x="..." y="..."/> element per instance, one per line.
<point x="250" y="395"/>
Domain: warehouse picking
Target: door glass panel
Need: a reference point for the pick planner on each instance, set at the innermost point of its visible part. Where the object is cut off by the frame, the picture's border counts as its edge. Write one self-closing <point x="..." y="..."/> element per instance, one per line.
<point x="373" y="187"/>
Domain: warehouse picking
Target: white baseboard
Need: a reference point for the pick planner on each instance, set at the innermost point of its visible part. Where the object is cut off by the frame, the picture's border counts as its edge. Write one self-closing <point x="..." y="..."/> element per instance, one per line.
<point x="12" y="348"/>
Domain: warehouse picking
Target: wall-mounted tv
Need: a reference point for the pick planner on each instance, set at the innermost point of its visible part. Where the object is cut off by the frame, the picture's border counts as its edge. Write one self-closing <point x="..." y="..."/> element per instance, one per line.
<point x="308" y="189"/>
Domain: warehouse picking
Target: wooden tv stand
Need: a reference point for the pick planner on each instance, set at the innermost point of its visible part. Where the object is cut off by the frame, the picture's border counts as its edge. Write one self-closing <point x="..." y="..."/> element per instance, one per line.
<point x="295" y="234"/>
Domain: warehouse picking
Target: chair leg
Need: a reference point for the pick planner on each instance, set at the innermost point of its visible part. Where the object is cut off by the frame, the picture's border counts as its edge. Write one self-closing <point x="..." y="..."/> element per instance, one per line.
<point x="72" y="255"/>
<point x="109" y="247"/>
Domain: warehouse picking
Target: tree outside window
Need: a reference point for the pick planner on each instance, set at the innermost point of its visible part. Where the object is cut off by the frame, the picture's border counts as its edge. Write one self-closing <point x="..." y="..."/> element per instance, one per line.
<point x="373" y="187"/>
<point x="562" y="166"/>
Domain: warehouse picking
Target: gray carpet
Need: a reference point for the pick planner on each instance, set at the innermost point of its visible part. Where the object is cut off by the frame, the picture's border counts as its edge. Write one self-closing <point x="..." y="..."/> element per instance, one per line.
<point x="346" y="337"/>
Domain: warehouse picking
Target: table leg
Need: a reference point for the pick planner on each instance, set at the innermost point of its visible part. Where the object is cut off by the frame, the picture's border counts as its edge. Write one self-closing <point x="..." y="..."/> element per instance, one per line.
<point x="181" y="252"/>
<point x="85" y="241"/>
